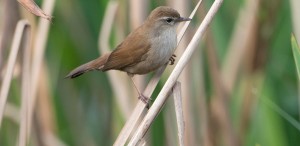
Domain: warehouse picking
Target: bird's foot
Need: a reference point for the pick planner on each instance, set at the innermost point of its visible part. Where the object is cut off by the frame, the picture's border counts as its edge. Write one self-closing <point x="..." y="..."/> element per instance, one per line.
<point x="145" y="99"/>
<point x="172" y="59"/>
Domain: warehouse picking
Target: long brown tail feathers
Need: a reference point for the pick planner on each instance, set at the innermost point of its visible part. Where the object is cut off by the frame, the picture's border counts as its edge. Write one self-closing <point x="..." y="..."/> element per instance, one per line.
<point x="96" y="64"/>
<point x="77" y="72"/>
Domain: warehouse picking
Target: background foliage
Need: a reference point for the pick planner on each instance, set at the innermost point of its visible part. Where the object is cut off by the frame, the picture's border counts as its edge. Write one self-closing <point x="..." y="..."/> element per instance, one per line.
<point x="260" y="107"/>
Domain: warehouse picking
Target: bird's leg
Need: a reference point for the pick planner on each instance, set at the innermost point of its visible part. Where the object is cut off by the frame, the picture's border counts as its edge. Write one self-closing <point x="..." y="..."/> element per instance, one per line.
<point x="172" y="59"/>
<point x="141" y="96"/>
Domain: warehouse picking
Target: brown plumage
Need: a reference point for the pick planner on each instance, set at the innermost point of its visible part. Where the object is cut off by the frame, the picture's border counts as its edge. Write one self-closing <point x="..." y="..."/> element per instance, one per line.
<point x="144" y="50"/>
<point x="96" y="64"/>
<point x="120" y="59"/>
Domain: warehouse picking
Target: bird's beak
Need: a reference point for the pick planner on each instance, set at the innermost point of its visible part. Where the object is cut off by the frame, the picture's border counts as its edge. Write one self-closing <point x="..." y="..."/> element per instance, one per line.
<point x="180" y="19"/>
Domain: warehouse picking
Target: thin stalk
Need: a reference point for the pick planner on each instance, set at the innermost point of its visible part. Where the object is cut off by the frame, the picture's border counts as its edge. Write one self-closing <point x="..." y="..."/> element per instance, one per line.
<point x="22" y="26"/>
<point x="26" y="75"/>
<point x="39" y="50"/>
<point x="162" y="96"/>
<point x="179" y="112"/>
<point x="185" y="78"/>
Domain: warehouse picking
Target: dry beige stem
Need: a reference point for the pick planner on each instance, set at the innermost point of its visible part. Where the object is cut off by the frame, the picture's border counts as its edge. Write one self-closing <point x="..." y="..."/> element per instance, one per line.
<point x="179" y="112"/>
<point x="163" y="95"/>
<point x="21" y="29"/>
<point x="21" y="40"/>
<point x="138" y="110"/>
<point x="185" y="78"/>
<point x="39" y="47"/>
<point x="33" y="8"/>
<point x="26" y="76"/>
<point x="171" y="132"/>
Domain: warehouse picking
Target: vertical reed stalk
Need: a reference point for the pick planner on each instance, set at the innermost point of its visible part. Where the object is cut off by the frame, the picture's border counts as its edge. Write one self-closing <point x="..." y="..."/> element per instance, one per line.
<point x="185" y="78"/>
<point x="39" y="50"/>
<point x="21" y="29"/>
<point x="26" y="76"/>
<point x="179" y="112"/>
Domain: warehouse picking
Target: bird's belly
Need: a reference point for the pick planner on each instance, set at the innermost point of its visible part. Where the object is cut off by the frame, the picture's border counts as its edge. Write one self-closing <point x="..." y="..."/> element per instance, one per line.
<point x="155" y="59"/>
<point x="149" y="65"/>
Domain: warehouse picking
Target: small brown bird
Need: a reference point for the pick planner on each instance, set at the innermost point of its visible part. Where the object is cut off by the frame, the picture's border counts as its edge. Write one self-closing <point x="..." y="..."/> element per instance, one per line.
<point x="144" y="50"/>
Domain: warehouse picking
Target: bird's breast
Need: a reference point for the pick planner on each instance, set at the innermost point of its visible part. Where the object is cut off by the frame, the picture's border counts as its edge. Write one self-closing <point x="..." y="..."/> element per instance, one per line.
<point x="162" y="48"/>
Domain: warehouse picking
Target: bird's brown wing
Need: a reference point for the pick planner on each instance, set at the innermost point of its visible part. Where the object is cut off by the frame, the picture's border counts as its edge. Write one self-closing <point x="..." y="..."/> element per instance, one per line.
<point x="131" y="51"/>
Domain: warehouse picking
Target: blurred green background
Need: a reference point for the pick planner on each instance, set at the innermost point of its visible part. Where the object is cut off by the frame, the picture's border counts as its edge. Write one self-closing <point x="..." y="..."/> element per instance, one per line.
<point x="240" y="87"/>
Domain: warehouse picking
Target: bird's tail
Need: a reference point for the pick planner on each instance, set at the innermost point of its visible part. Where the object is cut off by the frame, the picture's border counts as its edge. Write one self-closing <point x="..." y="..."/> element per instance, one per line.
<point x="96" y="64"/>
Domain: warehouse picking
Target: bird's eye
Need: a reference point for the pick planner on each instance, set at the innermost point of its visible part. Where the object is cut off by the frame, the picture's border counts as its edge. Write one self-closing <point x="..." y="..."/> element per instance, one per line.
<point x="169" y="20"/>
